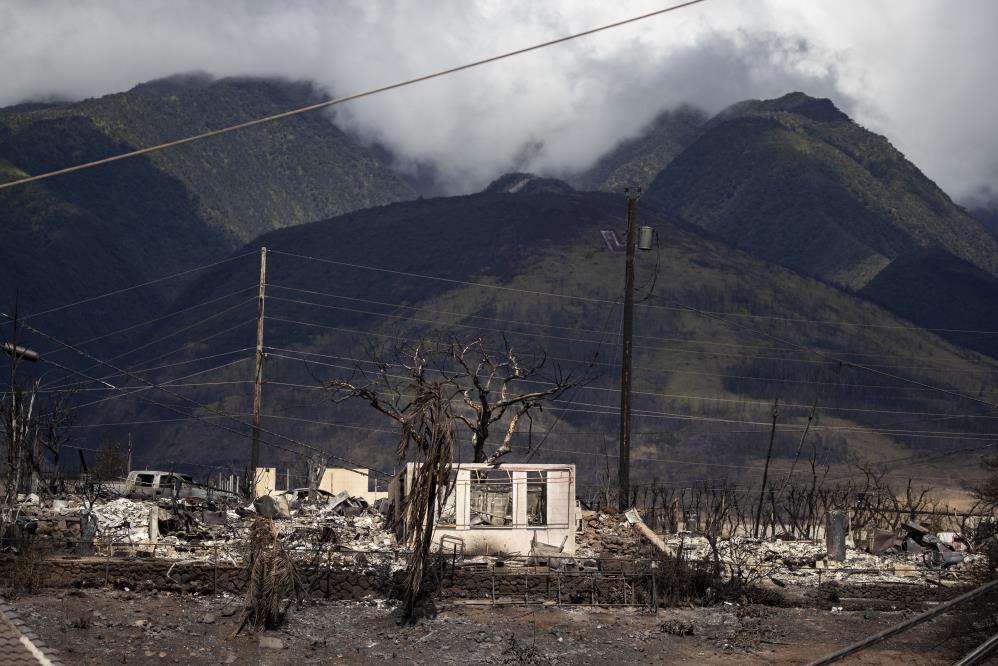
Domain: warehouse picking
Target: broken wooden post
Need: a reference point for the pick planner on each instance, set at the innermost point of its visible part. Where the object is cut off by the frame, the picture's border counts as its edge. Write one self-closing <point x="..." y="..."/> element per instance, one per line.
<point x="634" y="518"/>
<point x="836" y="526"/>
<point x="88" y="530"/>
<point x="154" y="524"/>
<point x="654" y="586"/>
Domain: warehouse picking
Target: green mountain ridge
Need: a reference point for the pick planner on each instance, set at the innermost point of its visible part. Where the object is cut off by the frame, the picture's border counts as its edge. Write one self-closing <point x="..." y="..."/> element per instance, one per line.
<point x="794" y="181"/>
<point x="782" y="220"/>
<point x="635" y="162"/>
<point x="89" y="232"/>
<point x="716" y="380"/>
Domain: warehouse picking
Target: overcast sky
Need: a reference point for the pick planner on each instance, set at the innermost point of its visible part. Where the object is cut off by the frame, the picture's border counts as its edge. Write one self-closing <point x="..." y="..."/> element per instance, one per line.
<point x="920" y="72"/>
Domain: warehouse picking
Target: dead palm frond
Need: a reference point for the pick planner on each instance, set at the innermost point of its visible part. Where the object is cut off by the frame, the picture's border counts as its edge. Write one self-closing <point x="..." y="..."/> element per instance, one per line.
<point x="274" y="581"/>
<point x="428" y="427"/>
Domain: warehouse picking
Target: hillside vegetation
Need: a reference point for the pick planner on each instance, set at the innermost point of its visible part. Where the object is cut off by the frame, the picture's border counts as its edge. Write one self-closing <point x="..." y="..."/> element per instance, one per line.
<point x="796" y="182"/>
<point x="85" y="233"/>
<point x="797" y="256"/>
<point x="635" y="162"/>
<point x="702" y="385"/>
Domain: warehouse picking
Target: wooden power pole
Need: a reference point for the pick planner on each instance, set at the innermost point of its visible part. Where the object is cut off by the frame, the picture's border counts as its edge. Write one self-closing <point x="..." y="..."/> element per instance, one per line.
<point x="258" y="376"/>
<point x="624" y="473"/>
<point x="765" y="470"/>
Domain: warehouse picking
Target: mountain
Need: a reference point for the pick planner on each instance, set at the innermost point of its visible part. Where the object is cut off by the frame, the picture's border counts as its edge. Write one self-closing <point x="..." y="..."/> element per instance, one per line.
<point x="485" y="265"/>
<point x="940" y="291"/>
<point x="795" y="251"/>
<point x="796" y="182"/>
<point x="526" y="183"/>
<point x="635" y="162"/>
<point x="988" y="216"/>
<point x="103" y="228"/>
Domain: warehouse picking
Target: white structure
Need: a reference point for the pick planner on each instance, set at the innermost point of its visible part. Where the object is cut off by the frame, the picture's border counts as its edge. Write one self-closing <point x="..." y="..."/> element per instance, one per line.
<point x="334" y="480"/>
<point x="502" y="508"/>
<point x="353" y="480"/>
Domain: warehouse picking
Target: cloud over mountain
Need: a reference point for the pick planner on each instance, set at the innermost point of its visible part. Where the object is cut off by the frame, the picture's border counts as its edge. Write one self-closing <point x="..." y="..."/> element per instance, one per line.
<point x="918" y="72"/>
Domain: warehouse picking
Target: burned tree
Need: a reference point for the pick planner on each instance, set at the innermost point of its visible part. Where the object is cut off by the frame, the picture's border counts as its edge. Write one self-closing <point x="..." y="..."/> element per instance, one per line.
<point x="111" y="460"/>
<point x="483" y="387"/>
<point x="421" y="407"/>
<point x="490" y="387"/>
<point x="985" y="535"/>
<point x="34" y="427"/>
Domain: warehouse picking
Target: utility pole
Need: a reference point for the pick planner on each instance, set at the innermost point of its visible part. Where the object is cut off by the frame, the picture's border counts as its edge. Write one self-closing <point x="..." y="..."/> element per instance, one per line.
<point x="624" y="473"/>
<point x="765" y="470"/>
<point x="258" y="376"/>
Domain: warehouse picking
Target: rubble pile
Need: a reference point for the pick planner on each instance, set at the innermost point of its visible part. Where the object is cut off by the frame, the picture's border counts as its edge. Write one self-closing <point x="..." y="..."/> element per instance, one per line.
<point x="367" y="532"/>
<point x="194" y="528"/>
<point x="123" y="519"/>
<point x="918" y="557"/>
<point x="607" y="535"/>
<point x="346" y="530"/>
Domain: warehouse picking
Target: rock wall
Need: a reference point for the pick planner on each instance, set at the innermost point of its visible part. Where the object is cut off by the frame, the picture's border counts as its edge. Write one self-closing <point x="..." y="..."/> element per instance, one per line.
<point x="332" y="582"/>
<point x="201" y="577"/>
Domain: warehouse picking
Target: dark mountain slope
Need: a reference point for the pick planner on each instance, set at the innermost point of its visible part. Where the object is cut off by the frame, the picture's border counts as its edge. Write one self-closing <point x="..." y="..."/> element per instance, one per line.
<point x="92" y="232"/>
<point x="939" y="290"/>
<point x="988" y="216"/>
<point x="104" y="228"/>
<point x="796" y="182"/>
<point x="635" y="163"/>
<point x="703" y="388"/>
<point x="298" y="170"/>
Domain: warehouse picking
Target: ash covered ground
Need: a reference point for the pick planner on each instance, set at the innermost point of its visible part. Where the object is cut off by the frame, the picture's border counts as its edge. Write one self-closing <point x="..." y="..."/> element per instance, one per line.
<point x="804" y="606"/>
<point x="108" y="627"/>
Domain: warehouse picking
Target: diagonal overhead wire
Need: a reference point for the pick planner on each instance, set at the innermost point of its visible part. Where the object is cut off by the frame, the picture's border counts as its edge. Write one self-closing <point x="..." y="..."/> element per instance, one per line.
<point x="91" y="299"/>
<point x="340" y="100"/>
<point x="186" y="399"/>
<point x="842" y="362"/>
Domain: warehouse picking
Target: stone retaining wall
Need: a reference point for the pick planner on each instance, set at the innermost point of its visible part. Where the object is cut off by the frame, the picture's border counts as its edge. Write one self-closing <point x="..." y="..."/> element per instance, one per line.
<point x="550" y="587"/>
<point x="332" y="582"/>
<point x="179" y="576"/>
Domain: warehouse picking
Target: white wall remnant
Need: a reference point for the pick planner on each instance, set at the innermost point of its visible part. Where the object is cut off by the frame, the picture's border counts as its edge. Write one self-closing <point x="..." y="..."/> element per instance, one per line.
<point x="503" y="508"/>
<point x="334" y="480"/>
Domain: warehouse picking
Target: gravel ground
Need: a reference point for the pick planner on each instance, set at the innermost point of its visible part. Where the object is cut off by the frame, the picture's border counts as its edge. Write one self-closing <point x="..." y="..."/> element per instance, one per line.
<point x="108" y="627"/>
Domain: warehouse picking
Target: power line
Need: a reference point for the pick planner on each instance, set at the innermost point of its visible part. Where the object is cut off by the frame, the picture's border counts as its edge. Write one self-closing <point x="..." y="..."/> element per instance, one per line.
<point x="132" y="390"/>
<point x="160" y="318"/>
<point x="598" y="409"/>
<point x="187" y="345"/>
<point x="832" y="322"/>
<point x="171" y="383"/>
<point x="170" y="335"/>
<point x="185" y="328"/>
<point x="467" y="315"/>
<point x="348" y="98"/>
<point x="65" y="387"/>
<point x="589" y="299"/>
<point x="438" y="324"/>
<point x="189" y="400"/>
<point x="613" y="364"/>
<point x="832" y="361"/>
<point x="139" y="367"/>
<point x="91" y="299"/>
<point x="843" y="362"/>
<point x="738" y="401"/>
